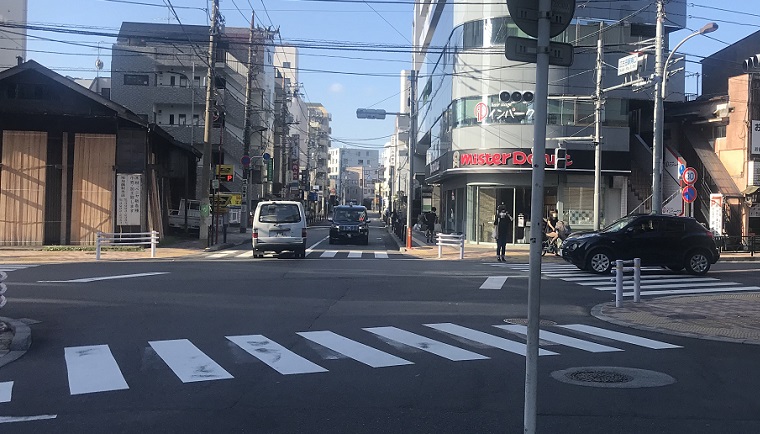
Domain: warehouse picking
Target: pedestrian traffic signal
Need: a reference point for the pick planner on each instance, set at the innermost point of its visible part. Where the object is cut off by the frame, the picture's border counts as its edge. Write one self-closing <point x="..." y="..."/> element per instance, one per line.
<point x="560" y="158"/>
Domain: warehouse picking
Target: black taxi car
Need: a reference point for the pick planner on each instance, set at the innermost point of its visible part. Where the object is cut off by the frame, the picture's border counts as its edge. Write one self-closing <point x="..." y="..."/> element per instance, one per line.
<point x="349" y="223"/>
<point x="665" y="240"/>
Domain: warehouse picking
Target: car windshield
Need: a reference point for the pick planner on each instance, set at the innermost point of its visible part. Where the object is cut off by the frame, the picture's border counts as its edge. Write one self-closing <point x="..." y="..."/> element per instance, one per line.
<point x="618" y="225"/>
<point x="279" y="213"/>
<point x="349" y="215"/>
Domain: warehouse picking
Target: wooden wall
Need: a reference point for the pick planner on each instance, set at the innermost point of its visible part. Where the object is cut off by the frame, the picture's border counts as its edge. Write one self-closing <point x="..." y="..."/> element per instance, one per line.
<point x="93" y="186"/>
<point x="22" y="188"/>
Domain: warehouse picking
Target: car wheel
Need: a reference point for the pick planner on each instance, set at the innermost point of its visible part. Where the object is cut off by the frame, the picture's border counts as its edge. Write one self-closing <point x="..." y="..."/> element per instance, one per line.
<point x="301" y="253"/>
<point x="256" y="254"/>
<point x="697" y="262"/>
<point x="599" y="261"/>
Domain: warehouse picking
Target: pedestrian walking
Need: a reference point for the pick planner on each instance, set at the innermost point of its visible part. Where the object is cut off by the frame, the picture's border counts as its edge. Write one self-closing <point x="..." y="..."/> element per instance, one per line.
<point x="501" y="224"/>
<point x="431" y="218"/>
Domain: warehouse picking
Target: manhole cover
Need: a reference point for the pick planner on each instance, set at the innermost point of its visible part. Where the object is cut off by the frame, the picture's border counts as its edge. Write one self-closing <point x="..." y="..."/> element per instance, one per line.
<point x="524" y="321"/>
<point x="687" y="316"/>
<point x="613" y="377"/>
<point x="596" y="376"/>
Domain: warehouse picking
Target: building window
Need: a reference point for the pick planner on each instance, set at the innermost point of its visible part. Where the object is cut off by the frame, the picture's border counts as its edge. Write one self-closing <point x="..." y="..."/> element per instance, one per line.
<point x="182" y="119"/>
<point x="135" y="79"/>
<point x="719" y="131"/>
<point x="473" y="34"/>
<point x="361" y="161"/>
<point x="171" y="119"/>
<point x="172" y="81"/>
<point x="197" y="81"/>
<point x="579" y="205"/>
<point x="286" y="65"/>
<point x="196" y="120"/>
<point x="183" y="81"/>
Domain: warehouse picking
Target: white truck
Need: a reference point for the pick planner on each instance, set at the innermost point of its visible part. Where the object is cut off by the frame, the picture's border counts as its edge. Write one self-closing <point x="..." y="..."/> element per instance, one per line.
<point x="193" y="210"/>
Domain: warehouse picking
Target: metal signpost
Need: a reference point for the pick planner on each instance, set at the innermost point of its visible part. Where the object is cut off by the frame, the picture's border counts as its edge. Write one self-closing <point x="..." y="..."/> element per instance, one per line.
<point x="543" y="19"/>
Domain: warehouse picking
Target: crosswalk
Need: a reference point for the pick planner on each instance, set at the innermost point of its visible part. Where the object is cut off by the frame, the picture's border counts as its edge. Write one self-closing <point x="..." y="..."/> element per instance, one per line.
<point x="654" y="280"/>
<point x="96" y="368"/>
<point x="7" y="268"/>
<point x="312" y="254"/>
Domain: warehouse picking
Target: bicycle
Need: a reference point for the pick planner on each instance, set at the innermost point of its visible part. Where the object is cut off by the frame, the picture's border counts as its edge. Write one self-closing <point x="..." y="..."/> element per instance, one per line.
<point x="548" y="246"/>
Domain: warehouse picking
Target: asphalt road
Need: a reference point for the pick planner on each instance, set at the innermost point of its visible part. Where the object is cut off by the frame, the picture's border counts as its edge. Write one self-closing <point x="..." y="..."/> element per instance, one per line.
<point x="345" y="343"/>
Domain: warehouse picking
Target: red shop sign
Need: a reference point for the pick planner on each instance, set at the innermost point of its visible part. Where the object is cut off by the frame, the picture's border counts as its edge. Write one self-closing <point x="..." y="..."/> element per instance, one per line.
<point x="517" y="158"/>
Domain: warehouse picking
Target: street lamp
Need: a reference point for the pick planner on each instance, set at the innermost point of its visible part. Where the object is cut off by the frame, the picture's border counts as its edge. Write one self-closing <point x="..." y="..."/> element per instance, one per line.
<point x="661" y="72"/>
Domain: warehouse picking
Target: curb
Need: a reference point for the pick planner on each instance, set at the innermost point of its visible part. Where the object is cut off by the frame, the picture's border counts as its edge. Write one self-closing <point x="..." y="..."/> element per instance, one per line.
<point x="596" y="312"/>
<point x="22" y="340"/>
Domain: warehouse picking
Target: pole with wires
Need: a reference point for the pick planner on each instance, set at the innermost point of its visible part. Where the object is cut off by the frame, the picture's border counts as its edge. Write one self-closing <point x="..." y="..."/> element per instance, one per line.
<point x="206" y="159"/>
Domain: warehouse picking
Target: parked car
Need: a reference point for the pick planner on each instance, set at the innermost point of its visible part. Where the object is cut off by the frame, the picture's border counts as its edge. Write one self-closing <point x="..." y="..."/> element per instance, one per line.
<point x="664" y="240"/>
<point x="279" y="226"/>
<point x="349" y="223"/>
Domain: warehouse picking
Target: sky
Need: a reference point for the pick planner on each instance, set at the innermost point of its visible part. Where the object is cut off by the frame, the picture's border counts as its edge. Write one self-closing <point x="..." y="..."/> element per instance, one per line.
<point x="367" y="45"/>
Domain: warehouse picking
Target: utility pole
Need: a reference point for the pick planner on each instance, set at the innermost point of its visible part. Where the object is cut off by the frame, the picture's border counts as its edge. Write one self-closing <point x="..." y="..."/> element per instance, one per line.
<point x="206" y="159"/>
<point x="247" y="133"/>
<point x="410" y="152"/>
<point x="657" y="147"/>
<point x="598" y="131"/>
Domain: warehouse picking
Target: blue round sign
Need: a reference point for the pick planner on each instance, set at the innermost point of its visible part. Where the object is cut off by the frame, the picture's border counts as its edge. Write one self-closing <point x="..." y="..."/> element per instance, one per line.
<point x="266" y="156"/>
<point x="689" y="194"/>
<point x="245" y="160"/>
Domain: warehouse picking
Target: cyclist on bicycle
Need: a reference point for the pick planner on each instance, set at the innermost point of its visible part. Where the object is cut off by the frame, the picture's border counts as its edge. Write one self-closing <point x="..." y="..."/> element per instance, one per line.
<point x="430" y="220"/>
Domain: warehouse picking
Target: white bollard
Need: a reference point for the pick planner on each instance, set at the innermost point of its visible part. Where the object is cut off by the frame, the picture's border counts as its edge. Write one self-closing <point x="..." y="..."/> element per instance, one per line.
<point x="461" y="247"/>
<point x="97" y="245"/>
<point x="619" y="283"/>
<point x="153" y="242"/>
<point x="636" y="280"/>
<point x="440" y="245"/>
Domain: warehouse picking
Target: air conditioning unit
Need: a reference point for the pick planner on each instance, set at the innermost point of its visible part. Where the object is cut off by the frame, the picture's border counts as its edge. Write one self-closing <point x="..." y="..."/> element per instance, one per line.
<point x="753" y="175"/>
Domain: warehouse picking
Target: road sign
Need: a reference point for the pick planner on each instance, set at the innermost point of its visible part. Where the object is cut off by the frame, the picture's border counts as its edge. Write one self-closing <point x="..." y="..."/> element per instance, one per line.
<point x="681" y="167"/>
<point x="689" y="175"/>
<point x="370" y="113"/>
<point x="526" y="50"/>
<point x="689" y="194"/>
<point x="525" y="14"/>
<point x="266" y="156"/>
<point x="245" y="160"/>
<point x="628" y="64"/>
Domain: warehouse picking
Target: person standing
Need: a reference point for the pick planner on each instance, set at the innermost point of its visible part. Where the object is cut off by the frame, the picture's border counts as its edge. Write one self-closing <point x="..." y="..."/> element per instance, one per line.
<point x="501" y="224"/>
<point x="431" y="218"/>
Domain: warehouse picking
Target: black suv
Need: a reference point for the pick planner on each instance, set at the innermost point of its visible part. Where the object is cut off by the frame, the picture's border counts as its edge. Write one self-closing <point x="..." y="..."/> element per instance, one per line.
<point x="349" y="223"/>
<point x="665" y="240"/>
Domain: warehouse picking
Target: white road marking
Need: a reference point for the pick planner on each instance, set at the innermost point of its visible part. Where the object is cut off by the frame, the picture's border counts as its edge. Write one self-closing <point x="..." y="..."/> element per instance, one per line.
<point x="438" y="348"/>
<point x="355" y="350"/>
<point x="622" y="337"/>
<point x="494" y="282"/>
<point x="329" y="254"/>
<point x="381" y="255"/>
<point x="14" y="267"/>
<point x="696" y="291"/>
<point x="188" y="362"/>
<point x="487" y="339"/>
<point x="646" y="285"/>
<point x="248" y="254"/>
<point x="9" y="419"/>
<point x="561" y="339"/>
<point x="647" y="281"/>
<point x="219" y="255"/>
<point x="354" y="254"/>
<point x="95" y="279"/>
<point x="275" y="355"/>
<point x="93" y="369"/>
<point x="6" y="388"/>
<point x="311" y="248"/>
<point x="611" y="277"/>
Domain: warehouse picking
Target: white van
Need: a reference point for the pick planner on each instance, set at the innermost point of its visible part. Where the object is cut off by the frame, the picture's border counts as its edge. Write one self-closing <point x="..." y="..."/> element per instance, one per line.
<point x="279" y="226"/>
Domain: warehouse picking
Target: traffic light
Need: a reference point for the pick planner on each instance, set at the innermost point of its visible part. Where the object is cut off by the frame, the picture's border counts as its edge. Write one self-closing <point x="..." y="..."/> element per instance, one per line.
<point x="560" y="158"/>
<point x="516" y="96"/>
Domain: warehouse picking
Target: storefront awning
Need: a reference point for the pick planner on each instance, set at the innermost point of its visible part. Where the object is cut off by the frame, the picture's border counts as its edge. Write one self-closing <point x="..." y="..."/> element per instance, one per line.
<point x="752" y="189"/>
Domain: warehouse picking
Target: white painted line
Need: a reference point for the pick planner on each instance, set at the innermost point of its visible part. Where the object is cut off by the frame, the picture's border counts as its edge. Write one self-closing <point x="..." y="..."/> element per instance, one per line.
<point x="381" y="255"/>
<point x="248" y="254"/>
<point x="425" y="344"/>
<point x="669" y="285"/>
<point x="14" y="267"/>
<point x="564" y="275"/>
<point x="329" y="254"/>
<point x="275" y="355"/>
<point x="95" y="279"/>
<point x="188" y="362"/>
<point x="647" y="281"/>
<point x="9" y="419"/>
<point x="485" y="338"/>
<point x="611" y="277"/>
<point x="311" y="248"/>
<point x="494" y="282"/>
<point x="5" y="391"/>
<point x="355" y="350"/>
<point x="219" y="255"/>
<point x="561" y="339"/>
<point x="696" y="291"/>
<point x="622" y="337"/>
<point x="93" y="369"/>
<point x="354" y="254"/>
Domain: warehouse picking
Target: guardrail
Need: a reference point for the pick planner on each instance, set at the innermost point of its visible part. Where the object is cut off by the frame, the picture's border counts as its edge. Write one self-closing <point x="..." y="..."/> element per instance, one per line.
<point x="127" y="239"/>
<point x="451" y="240"/>
<point x="739" y="244"/>
<point x="620" y="271"/>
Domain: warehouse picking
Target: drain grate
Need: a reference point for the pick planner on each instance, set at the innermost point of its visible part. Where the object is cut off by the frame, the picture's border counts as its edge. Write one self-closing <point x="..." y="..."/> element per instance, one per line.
<point x="524" y="321"/>
<point x="598" y="376"/>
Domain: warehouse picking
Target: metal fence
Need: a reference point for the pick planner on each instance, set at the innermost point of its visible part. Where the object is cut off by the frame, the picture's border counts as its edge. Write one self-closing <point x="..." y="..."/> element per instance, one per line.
<point x="127" y="239"/>
<point x="739" y="243"/>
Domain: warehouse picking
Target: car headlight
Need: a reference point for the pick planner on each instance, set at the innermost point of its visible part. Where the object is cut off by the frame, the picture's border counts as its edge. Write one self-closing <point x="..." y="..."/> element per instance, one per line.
<point x="570" y="247"/>
<point x="336" y="227"/>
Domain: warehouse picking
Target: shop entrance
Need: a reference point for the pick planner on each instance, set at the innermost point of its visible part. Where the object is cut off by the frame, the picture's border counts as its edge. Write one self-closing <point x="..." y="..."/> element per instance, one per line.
<point x="517" y="202"/>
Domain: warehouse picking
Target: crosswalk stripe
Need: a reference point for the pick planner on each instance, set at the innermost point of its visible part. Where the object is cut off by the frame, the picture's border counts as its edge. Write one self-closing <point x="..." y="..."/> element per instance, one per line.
<point x="329" y="254"/>
<point x="622" y="337"/>
<point x="561" y="339"/>
<point x="429" y="345"/>
<point x="494" y="282"/>
<point x="92" y="369"/>
<point x="15" y="267"/>
<point x="275" y="355"/>
<point x="668" y="285"/>
<point x="696" y="291"/>
<point x="588" y="278"/>
<point x="188" y="362"/>
<point x="5" y="391"/>
<point x="646" y="281"/>
<point x="487" y="339"/>
<point x="219" y="255"/>
<point x="354" y="254"/>
<point x="248" y="254"/>
<point x="355" y="350"/>
<point x="381" y="255"/>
